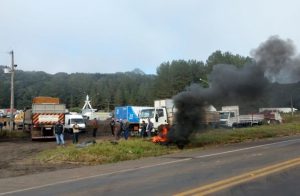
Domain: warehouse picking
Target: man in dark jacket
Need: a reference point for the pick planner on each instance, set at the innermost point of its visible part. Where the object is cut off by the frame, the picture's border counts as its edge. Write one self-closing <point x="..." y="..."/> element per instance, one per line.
<point x="112" y="126"/>
<point x="59" y="133"/>
<point x="95" y="127"/>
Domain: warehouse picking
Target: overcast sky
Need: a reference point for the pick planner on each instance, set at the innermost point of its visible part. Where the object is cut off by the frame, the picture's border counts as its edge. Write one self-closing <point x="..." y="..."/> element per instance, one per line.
<point x="97" y="36"/>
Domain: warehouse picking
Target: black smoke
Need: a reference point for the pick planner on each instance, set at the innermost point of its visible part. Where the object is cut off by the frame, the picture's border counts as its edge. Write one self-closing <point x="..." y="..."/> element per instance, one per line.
<point x="278" y="59"/>
<point x="274" y="61"/>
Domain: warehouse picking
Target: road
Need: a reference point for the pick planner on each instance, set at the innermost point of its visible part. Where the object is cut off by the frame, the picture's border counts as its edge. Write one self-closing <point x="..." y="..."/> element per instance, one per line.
<point x="225" y="170"/>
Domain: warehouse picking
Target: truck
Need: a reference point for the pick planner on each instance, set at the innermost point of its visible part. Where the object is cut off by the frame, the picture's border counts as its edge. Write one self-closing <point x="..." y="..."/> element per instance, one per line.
<point x="163" y="113"/>
<point x="70" y="120"/>
<point x="19" y="119"/>
<point x="271" y="117"/>
<point x="282" y="110"/>
<point x="42" y="117"/>
<point x="230" y="117"/>
<point x="131" y="115"/>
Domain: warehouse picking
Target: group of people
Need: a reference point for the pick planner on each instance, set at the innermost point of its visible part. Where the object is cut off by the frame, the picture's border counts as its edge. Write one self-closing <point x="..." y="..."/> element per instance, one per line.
<point x="146" y="128"/>
<point x="59" y="132"/>
<point x="122" y="126"/>
<point x="118" y="127"/>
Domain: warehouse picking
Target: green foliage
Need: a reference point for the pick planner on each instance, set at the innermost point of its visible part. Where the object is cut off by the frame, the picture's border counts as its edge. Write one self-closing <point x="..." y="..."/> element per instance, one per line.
<point x="105" y="152"/>
<point x="105" y="90"/>
<point x="133" y="88"/>
<point x="173" y="77"/>
<point x="226" y="58"/>
<point x="224" y="136"/>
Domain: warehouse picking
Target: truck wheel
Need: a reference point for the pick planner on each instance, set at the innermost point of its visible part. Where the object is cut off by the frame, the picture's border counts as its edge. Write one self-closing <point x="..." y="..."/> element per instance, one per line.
<point x="35" y="133"/>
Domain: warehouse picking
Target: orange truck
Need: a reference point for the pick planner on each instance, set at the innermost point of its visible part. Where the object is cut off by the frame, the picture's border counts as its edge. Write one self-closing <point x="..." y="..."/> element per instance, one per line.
<point x="44" y="114"/>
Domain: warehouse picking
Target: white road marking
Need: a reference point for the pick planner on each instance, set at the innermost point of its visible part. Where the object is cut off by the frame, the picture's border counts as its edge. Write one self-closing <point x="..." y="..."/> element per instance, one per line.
<point x="148" y="166"/>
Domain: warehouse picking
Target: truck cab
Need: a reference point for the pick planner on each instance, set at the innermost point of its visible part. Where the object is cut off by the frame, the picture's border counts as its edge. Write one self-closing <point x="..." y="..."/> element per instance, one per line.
<point x="70" y="120"/>
<point x="230" y="117"/>
<point x="162" y="113"/>
<point x="227" y="118"/>
<point x="157" y="116"/>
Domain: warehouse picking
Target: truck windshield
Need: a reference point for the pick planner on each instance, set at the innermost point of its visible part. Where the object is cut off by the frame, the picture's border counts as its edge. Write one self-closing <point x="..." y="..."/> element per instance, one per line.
<point x="224" y="115"/>
<point x="147" y="113"/>
<point x="78" y="120"/>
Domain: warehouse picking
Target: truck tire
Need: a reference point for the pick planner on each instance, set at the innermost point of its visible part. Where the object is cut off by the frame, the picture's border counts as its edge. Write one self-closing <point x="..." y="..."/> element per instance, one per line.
<point x="35" y="133"/>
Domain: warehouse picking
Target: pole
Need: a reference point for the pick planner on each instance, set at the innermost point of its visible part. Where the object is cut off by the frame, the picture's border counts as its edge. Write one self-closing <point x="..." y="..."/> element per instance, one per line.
<point x="292" y="107"/>
<point x="12" y="90"/>
<point x="107" y="105"/>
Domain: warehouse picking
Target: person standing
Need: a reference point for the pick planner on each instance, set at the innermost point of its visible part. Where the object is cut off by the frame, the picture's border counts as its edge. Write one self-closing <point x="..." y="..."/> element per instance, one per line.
<point x="121" y="128"/>
<point x="75" y="133"/>
<point x="126" y="129"/>
<point x="143" y="129"/>
<point x="1" y="126"/>
<point x="112" y="126"/>
<point x="95" y="127"/>
<point x="149" y="127"/>
<point x="59" y="133"/>
<point x="117" y="130"/>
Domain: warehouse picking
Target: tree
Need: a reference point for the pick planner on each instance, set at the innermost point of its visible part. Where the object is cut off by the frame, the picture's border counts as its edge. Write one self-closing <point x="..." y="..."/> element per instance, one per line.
<point x="173" y="77"/>
<point x="218" y="57"/>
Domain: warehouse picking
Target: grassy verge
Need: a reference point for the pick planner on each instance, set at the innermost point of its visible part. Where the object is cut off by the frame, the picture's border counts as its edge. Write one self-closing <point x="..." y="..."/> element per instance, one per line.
<point x="13" y="134"/>
<point x="224" y="136"/>
<point x="107" y="152"/>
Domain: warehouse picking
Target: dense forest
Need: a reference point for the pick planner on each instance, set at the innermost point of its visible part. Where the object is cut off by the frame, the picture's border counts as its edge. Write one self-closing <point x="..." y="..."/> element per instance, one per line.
<point x="135" y="88"/>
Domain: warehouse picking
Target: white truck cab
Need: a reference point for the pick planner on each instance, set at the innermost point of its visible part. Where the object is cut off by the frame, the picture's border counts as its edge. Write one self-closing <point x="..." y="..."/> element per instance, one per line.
<point x="70" y="120"/>
<point x="162" y="113"/>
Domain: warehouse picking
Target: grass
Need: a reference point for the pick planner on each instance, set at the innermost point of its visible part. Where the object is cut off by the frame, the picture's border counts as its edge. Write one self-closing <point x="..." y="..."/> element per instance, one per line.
<point x="291" y="126"/>
<point x="135" y="148"/>
<point x="13" y="134"/>
<point x="105" y="152"/>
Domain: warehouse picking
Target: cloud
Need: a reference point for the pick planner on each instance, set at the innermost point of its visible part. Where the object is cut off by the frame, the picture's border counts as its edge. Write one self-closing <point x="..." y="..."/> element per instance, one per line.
<point x="110" y="36"/>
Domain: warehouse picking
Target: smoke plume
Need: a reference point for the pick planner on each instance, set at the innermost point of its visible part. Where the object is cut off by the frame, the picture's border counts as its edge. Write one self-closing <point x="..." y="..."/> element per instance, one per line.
<point x="278" y="59"/>
<point x="274" y="61"/>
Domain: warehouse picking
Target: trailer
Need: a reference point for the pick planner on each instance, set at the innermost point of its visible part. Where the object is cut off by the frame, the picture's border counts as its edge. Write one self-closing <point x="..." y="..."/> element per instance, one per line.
<point x="130" y="114"/>
<point x="44" y="114"/>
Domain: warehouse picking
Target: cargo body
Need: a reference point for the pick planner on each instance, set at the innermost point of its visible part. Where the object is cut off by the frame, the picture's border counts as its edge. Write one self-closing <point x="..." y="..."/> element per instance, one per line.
<point x="130" y="114"/>
<point x="43" y="116"/>
<point x="272" y="117"/>
<point x="230" y="117"/>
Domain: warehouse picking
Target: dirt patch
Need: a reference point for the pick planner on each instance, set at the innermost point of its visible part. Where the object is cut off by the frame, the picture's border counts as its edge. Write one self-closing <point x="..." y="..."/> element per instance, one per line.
<point x="18" y="155"/>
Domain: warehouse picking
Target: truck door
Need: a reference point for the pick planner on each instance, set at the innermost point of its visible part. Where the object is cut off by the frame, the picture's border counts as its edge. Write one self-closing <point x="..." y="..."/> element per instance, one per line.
<point x="160" y="117"/>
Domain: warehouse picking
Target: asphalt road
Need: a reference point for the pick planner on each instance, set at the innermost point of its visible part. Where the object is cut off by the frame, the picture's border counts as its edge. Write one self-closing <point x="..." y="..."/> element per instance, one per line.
<point x="175" y="174"/>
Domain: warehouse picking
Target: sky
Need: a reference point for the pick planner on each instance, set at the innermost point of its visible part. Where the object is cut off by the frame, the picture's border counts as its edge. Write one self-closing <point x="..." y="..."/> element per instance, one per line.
<point x="109" y="36"/>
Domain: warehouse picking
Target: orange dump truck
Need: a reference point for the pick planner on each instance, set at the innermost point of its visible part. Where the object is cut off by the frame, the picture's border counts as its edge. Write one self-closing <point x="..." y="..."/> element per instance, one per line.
<point x="45" y="113"/>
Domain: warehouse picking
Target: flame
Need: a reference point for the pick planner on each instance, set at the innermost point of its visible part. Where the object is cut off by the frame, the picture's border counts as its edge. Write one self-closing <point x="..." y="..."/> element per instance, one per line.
<point x="162" y="135"/>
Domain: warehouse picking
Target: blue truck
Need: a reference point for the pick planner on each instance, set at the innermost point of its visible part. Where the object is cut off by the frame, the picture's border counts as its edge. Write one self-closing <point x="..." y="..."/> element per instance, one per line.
<point x="130" y="114"/>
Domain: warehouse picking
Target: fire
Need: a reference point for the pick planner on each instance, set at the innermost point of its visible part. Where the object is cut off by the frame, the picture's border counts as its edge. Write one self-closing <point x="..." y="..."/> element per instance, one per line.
<point x="162" y="135"/>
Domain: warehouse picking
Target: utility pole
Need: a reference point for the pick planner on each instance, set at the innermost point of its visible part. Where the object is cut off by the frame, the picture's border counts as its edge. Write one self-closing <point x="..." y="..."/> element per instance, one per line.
<point x="11" y="70"/>
<point x="292" y="107"/>
<point x="12" y="90"/>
